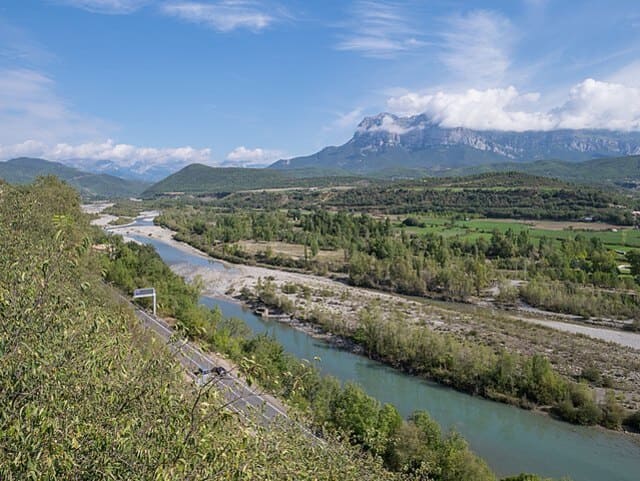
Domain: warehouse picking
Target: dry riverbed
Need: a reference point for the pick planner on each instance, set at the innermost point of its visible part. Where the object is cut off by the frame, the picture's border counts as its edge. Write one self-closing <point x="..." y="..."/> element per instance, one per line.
<point x="615" y="354"/>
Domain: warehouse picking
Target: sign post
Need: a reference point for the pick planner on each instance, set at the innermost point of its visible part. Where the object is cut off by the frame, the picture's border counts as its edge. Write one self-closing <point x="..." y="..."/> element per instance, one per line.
<point x="146" y="292"/>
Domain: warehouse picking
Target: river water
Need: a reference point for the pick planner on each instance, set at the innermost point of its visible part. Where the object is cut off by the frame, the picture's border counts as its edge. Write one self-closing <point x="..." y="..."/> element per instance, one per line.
<point x="511" y="440"/>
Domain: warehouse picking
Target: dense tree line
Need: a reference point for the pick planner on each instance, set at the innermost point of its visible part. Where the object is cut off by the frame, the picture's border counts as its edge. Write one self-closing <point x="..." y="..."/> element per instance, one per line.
<point x="518" y="202"/>
<point x="377" y="254"/>
<point x="570" y="298"/>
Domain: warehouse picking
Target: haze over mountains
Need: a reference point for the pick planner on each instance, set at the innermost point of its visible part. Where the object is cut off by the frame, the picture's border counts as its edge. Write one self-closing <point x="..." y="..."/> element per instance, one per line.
<point x="134" y="169"/>
<point x="388" y="143"/>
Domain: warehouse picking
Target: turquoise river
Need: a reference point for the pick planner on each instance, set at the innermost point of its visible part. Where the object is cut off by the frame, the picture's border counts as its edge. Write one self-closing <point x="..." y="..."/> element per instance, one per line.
<point x="511" y="440"/>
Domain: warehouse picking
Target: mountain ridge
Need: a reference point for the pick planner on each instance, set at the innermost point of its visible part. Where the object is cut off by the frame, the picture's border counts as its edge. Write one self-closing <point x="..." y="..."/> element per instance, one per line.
<point x="23" y="170"/>
<point x="387" y="141"/>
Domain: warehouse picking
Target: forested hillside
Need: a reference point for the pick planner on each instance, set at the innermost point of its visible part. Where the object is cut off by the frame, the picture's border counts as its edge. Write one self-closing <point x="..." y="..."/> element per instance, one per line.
<point x="619" y="171"/>
<point x="201" y="179"/>
<point x="24" y="170"/>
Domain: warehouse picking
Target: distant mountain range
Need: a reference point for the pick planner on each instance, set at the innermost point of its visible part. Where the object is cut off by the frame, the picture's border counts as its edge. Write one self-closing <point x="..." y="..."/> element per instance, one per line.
<point x="383" y="147"/>
<point x="24" y="170"/>
<point x="391" y="145"/>
<point x="136" y="170"/>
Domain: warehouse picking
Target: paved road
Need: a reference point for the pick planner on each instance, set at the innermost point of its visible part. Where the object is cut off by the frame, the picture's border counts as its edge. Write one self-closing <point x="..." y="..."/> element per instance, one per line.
<point x="240" y="397"/>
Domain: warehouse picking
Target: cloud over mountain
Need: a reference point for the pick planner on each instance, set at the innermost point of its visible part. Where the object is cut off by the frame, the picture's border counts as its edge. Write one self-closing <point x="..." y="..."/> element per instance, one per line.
<point x="591" y="104"/>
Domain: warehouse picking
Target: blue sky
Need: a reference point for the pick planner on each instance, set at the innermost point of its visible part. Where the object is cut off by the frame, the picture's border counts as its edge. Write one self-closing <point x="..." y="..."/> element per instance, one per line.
<point x="247" y="82"/>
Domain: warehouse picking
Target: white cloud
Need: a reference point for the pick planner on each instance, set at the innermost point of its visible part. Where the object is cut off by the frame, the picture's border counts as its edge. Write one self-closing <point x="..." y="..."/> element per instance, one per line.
<point x="346" y="120"/>
<point x="37" y="122"/>
<point x="29" y="106"/>
<point x="225" y="15"/>
<point x="475" y="109"/>
<point x="600" y="105"/>
<point x="111" y="7"/>
<point x="386" y="124"/>
<point x="123" y="155"/>
<point x="476" y="46"/>
<point x="243" y="156"/>
<point x="379" y="29"/>
<point x="590" y="104"/>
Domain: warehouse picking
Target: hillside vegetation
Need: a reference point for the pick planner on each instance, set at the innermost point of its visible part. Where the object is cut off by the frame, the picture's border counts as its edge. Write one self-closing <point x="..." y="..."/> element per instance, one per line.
<point x="202" y="179"/>
<point x="527" y="197"/>
<point x="91" y="186"/>
<point x="620" y="171"/>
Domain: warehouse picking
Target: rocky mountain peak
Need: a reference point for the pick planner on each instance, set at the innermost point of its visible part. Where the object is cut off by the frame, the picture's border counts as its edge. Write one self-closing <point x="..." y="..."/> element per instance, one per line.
<point x="388" y="141"/>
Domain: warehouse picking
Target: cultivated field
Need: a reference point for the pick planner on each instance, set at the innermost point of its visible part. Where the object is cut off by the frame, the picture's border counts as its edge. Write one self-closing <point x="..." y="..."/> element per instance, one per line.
<point x="616" y="237"/>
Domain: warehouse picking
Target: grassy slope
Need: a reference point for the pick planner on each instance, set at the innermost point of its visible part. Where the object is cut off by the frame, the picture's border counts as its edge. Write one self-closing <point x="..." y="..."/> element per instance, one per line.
<point x="24" y="170"/>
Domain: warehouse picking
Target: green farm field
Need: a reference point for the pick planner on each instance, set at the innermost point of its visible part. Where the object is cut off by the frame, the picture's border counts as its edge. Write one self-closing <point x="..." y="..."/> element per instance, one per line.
<point x="614" y="237"/>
